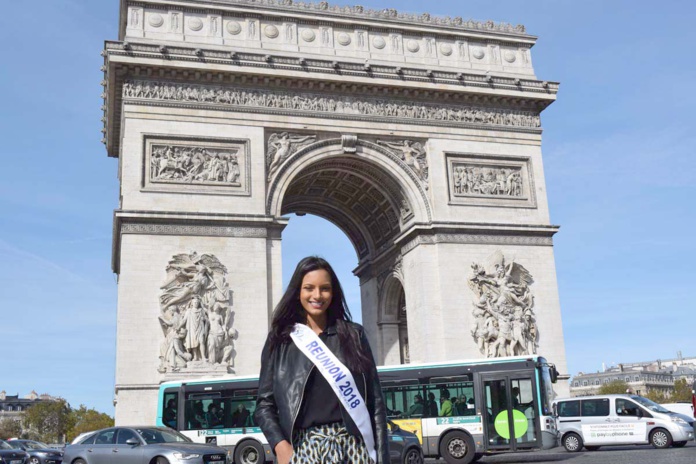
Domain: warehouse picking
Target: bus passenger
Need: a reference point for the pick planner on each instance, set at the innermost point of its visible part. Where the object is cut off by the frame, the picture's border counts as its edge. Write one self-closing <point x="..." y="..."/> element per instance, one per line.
<point x="446" y="408"/>
<point x="416" y="408"/>
<point x="319" y="398"/>
<point x="240" y="416"/>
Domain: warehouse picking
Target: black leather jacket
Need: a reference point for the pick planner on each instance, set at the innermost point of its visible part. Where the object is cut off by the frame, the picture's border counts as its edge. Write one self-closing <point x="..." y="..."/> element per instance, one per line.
<point x="284" y="374"/>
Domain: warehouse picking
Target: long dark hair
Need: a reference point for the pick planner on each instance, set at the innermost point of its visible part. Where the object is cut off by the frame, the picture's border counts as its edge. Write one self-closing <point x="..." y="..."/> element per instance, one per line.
<point x="289" y="312"/>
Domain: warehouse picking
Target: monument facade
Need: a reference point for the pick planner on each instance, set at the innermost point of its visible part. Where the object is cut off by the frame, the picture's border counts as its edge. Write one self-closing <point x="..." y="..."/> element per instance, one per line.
<point x="418" y="136"/>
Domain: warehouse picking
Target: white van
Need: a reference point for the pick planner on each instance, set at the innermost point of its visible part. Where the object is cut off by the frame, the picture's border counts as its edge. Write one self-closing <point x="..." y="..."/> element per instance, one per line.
<point x="601" y="420"/>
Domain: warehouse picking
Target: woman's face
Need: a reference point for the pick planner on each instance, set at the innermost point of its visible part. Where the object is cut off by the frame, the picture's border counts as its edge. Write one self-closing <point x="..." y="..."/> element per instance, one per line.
<point x="316" y="292"/>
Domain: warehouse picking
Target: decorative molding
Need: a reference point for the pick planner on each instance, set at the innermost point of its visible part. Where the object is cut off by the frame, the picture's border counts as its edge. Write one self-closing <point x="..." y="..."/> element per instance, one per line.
<point x="477" y="239"/>
<point x="349" y="143"/>
<point x="196" y="165"/>
<point x="505" y="323"/>
<point x="490" y="180"/>
<point x="196" y="316"/>
<point x="192" y="230"/>
<point x="320" y="104"/>
<point x="388" y="14"/>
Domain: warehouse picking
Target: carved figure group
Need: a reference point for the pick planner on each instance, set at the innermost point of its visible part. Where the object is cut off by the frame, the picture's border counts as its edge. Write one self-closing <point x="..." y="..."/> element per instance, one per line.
<point x="413" y="154"/>
<point x="505" y="324"/>
<point x="194" y="164"/>
<point x="364" y="106"/>
<point x="478" y="180"/>
<point x="281" y="147"/>
<point x="196" y="317"/>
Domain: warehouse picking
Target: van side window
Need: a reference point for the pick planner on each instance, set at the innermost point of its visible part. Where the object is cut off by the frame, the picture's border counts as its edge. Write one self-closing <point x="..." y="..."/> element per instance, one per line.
<point x="594" y="408"/>
<point x="569" y="408"/>
<point x="626" y="407"/>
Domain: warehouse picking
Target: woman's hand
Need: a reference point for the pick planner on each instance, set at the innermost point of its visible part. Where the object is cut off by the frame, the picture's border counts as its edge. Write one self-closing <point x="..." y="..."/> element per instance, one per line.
<point x="283" y="451"/>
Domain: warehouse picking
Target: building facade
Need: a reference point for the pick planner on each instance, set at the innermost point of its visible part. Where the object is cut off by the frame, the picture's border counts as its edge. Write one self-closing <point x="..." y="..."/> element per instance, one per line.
<point x="418" y="136"/>
<point x="13" y="407"/>
<point x="642" y="378"/>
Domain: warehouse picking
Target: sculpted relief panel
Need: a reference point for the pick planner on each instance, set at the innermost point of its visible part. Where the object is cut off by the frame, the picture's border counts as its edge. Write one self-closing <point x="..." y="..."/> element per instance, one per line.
<point x="196" y="316"/>
<point x="505" y="323"/>
<point x="489" y="180"/>
<point x="204" y="165"/>
<point x="348" y="106"/>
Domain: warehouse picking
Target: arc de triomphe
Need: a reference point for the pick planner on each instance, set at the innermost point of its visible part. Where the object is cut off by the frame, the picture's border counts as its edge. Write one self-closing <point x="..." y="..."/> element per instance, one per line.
<point x="417" y="136"/>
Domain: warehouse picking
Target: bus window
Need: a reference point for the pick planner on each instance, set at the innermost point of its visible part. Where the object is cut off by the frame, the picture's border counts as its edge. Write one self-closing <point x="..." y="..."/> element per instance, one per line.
<point x="169" y="408"/>
<point x="449" y="397"/>
<point x="403" y="401"/>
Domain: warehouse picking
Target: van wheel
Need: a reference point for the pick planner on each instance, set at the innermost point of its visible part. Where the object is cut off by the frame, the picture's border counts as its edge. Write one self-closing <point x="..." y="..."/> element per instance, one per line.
<point x="248" y="452"/>
<point x="679" y="444"/>
<point x="572" y="442"/>
<point x="591" y="448"/>
<point x="413" y="456"/>
<point x="660" y="438"/>
<point x="457" y="448"/>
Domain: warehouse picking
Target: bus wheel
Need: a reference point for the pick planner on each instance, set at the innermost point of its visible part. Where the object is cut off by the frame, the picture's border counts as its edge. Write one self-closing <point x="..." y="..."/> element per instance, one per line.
<point x="248" y="452"/>
<point x="457" y="448"/>
<point x="660" y="438"/>
<point x="572" y="442"/>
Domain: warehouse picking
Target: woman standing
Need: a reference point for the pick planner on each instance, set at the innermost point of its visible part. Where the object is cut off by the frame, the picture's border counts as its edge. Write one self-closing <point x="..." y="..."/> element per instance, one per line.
<point x="319" y="395"/>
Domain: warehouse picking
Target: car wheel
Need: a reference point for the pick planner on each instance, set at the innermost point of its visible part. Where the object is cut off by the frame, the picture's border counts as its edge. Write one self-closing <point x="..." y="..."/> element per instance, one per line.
<point x="679" y="444"/>
<point x="572" y="442"/>
<point x="413" y="456"/>
<point x="660" y="438"/>
<point x="591" y="448"/>
<point x="248" y="452"/>
<point x="457" y="448"/>
<point x="161" y="460"/>
<point x="79" y="461"/>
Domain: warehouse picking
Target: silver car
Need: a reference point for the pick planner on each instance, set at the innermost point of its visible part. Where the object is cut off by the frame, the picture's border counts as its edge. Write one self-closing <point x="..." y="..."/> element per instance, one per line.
<point x="141" y="445"/>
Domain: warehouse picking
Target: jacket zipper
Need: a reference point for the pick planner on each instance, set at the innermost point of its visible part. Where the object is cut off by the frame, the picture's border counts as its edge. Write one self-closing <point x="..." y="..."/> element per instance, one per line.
<point x="297" y="413"/>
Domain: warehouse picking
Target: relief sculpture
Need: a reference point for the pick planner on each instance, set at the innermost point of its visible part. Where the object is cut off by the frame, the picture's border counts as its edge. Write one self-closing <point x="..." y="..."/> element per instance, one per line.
<point x="487" y="181"/>
<point x="281" y="147"/>
<point x="320" y="103"/>
<point x="505" y="324"/>
<point x="413" y="154"/>
<point x="194" y="165"/>
<point x="196" y="316"/>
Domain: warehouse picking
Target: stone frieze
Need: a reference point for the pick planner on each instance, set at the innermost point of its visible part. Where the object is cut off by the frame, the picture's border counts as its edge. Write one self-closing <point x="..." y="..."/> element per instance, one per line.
<point x="326" y="104"/>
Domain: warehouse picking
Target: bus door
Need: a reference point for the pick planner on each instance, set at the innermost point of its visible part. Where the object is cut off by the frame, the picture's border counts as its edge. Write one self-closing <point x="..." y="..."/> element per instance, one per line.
<point x="509" y="411"/>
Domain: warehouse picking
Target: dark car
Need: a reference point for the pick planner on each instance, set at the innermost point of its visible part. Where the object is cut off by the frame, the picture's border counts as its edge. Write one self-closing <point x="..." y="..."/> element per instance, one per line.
<point x="12" y="455"/>
<point x="404" y="447"/>
<point x="142" y="445"/>
<point x="39" y="453"/>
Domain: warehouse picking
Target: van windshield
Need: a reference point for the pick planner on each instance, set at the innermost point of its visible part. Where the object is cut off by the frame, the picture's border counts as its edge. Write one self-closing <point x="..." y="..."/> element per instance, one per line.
<point x="651" y="405"/>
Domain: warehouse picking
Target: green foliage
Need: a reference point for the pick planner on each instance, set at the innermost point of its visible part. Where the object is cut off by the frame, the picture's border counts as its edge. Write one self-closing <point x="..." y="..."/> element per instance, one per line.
<point x="50" y="420"/>
<point x="10" y="428"/>
<point x="657" y="396"/>
<point x="86" y="420"/>
<point x="682" y="392"/>
<point x="614" y="387"/>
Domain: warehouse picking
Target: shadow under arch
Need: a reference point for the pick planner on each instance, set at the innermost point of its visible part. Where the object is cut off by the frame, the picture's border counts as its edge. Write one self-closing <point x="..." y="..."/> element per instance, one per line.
<point x="371" y="194"/>
<point x="392" y="319"/>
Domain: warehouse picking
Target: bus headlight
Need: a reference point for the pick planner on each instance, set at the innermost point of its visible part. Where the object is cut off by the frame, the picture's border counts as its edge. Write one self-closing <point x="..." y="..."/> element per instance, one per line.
<point x="186" y="456"/>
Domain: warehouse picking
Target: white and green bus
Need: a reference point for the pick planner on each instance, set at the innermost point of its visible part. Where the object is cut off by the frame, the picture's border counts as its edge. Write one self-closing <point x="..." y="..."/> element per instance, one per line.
<point x="460" y="410"/>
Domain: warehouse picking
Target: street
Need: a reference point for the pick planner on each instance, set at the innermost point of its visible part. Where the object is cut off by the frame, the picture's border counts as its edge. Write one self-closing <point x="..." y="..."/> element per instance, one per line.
<point x="643" y="454"/>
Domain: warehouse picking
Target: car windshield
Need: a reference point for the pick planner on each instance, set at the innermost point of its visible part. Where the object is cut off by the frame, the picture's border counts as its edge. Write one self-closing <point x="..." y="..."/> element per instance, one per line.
<point x="5" y="445"/>
<point x="651" y="405"/>
<point x="33" y="445"/>
<point x="161" y="436"/>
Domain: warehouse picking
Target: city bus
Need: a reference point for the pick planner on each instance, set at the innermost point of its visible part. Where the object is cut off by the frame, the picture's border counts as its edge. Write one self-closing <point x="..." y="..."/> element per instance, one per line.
<point x="460" y="410"/>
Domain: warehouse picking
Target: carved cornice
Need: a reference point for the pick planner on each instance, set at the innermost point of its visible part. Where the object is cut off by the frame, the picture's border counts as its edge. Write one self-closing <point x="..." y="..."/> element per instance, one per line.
<point x="477" y="239"/>
<point x="358" y="12"/>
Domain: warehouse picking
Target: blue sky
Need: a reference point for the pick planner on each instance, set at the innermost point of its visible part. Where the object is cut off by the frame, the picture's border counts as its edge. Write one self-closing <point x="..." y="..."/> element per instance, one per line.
<point x="618" y="152"/>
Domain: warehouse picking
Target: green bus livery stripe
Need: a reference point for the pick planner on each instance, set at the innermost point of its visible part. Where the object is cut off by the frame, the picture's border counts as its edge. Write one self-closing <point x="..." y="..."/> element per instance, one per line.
<point x="244" y="431"/>
<point x="458" y="420"/>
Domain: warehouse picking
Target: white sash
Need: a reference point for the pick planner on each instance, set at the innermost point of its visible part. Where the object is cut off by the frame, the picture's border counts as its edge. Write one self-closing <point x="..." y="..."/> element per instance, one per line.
<point x="340" y="379"/>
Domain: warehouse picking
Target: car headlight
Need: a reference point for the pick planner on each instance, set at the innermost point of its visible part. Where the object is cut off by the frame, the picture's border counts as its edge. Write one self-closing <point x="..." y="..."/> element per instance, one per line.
<point x="680" y="421"/>
<point x="186" y="456"/>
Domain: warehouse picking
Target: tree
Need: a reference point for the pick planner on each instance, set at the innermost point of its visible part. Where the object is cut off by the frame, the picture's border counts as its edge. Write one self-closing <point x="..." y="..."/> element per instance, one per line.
<point x="656" y="396"/>
<point x="50" y="420"/>
<point x="86" y="420"/>
<point x="10" y="428"/>
<point x="613" y="387"/>
<point x="682" y="392"/>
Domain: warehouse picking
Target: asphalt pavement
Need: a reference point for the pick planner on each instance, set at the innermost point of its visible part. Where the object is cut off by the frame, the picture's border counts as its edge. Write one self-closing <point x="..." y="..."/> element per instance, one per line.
<point x="643" y="454"/>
